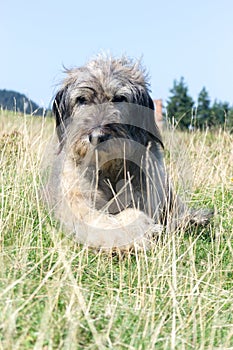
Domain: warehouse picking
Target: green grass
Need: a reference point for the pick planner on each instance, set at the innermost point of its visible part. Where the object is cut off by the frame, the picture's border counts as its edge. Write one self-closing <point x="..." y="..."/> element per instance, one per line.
<point x="55" y="294"/>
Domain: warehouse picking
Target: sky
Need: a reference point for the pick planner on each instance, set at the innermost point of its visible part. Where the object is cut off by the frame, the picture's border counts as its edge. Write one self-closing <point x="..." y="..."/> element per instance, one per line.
<point x="175" y="38"/>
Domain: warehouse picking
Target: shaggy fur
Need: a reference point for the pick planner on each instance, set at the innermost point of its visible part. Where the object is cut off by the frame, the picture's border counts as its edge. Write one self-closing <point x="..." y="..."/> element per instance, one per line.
<point x="108" y="184"/>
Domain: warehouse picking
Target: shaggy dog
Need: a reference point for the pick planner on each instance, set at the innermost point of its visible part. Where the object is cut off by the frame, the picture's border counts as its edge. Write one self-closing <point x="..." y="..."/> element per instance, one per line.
<point x="108" y="184"/>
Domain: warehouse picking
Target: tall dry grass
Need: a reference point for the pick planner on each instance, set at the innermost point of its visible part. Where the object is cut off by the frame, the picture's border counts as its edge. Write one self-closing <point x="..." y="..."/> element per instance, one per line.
<point x="55" y="294"/>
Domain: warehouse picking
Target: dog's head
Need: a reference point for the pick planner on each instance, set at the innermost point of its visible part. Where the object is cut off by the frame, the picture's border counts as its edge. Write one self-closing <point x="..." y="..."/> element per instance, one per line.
<point x="108" y="98"/>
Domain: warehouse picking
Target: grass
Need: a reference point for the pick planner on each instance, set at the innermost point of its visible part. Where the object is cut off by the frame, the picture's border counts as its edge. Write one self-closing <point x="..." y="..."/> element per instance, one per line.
<point x="55" y="294"/>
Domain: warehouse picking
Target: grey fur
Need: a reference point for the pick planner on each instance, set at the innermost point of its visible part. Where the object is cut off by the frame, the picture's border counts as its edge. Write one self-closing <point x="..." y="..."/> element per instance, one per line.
<point x="110" y="159"/>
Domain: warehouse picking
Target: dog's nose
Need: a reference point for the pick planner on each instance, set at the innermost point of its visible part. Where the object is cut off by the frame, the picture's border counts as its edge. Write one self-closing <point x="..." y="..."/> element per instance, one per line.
<point x="97" y="137"/>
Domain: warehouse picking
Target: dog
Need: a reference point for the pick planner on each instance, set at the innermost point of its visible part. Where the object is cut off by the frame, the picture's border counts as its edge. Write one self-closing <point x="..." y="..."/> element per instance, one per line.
<point x="108" y="184"/>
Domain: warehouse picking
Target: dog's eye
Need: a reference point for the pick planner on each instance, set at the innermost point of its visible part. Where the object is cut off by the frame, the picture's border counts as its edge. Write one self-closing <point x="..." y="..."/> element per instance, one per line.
<point x="81" y="100"/>
<point x="119" y="98"/>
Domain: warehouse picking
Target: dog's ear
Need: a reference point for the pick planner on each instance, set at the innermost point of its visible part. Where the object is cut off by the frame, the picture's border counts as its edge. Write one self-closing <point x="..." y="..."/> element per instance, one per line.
<point x="60" y="112"/>
<point x="144" y="98"/>
<point x="151" y="103"/>
<point x="156" y="131"/>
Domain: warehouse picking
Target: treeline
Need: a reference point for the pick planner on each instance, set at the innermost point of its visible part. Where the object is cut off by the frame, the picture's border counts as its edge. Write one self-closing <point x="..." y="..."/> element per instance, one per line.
<point x="14" y="101"/>
<point x="182" y="111"/>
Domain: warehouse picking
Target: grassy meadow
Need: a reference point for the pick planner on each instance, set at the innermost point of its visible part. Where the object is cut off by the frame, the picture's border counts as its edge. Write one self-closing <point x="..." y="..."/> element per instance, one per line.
<point x="55" y="294"/>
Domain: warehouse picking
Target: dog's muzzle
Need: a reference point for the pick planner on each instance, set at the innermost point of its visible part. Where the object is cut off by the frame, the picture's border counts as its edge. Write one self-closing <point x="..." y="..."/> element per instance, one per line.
<point x="98" y="136"/>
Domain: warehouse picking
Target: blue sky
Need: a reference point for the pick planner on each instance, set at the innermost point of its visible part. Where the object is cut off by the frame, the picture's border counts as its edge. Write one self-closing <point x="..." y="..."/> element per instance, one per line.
<point x="176" y="38"/>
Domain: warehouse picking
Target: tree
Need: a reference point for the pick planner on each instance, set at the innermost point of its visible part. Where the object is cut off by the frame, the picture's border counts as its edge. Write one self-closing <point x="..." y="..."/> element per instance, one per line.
<point x="219" y="113"/>
<point x="229" y="120"/>
<point x="180" y="104"/>
<point x="203" y="109"/>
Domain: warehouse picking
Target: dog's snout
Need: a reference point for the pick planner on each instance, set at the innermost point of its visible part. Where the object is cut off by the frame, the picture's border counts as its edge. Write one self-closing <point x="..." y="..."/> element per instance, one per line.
<point x="98" y="136"/>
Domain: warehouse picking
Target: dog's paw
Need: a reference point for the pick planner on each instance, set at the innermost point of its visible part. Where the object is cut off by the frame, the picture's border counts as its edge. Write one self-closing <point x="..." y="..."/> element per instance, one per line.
<point x="201" y="217"/>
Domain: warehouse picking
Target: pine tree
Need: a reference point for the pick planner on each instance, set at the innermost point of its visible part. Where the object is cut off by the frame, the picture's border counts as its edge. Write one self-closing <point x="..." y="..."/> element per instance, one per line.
<point x="180" y="104"/>
<point x="229" y="120"/>
<point x="219" y="113"/>
<point x="203" y="109"/>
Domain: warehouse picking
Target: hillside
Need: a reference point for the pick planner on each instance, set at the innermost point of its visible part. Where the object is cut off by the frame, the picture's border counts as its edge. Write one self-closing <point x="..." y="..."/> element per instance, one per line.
<point x="17" y="102"/>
